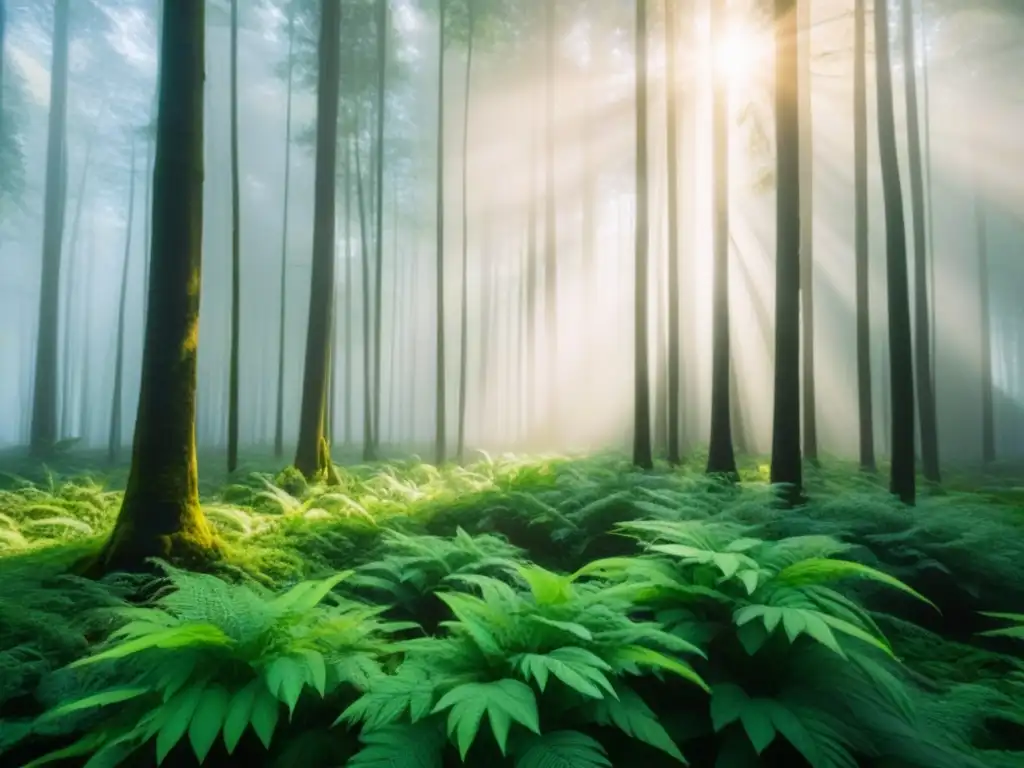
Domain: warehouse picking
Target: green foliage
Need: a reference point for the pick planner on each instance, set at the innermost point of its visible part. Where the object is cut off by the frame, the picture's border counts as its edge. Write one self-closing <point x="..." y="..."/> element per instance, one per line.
<point x="570" y="613"/>
<point x="210" y="659"/>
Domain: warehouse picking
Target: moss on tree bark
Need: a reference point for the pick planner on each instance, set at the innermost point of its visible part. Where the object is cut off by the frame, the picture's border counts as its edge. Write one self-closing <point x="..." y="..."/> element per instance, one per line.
<point x="160" y="516"/>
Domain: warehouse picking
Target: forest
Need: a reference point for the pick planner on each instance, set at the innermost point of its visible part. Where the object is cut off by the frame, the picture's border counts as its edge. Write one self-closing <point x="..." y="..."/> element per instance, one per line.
<point x="528" y="383"/>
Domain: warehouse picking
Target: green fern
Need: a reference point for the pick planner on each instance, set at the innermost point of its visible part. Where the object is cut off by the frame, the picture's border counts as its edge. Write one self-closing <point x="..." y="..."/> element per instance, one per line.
<point x="507" y="646"/>
<point x="212" y="659"/>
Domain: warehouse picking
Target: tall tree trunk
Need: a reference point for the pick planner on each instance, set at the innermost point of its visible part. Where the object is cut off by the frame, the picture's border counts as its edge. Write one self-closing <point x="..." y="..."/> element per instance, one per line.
<point x="550" y="228"/>
<point x="86" y="323"/>
<point x="350" y="297"/>
<point x="236" y="255"/>
<point x="672" y="162"/>
<point x="721" y="457"/>
<point x="922" y="342"/>
<point x="460" y="450"/>
<point x="312" y="456"/>
<point x="440" y="436"/>
<point x="378" y="285"/>
<point x="532" y="275"/>
<point x="642" y="456"/>
<point x="69" y="304"/>
<point x="117" y="401"/>
<point x="901" y="369"/>
<point x="150" y="159"/>
<point x="786" y="463"/>
<point x="806" y="227"/>
<point x="865" y="407"/>
<point x="43" y="434"/>
<point x="160" y="515"/>
<point x="396" y="307"/>
<point x="368" y="436"/>
<point x="279" y="408"/>
<point x="926" y="127"/>
<point x="988" y="424"/>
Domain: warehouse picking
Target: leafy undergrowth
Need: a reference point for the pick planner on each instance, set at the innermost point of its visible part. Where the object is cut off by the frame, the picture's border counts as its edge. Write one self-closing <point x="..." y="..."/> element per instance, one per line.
<point x="533" y="613"/>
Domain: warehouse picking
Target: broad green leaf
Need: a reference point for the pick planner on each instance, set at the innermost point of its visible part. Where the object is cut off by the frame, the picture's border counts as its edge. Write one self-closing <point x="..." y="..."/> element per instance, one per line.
<point x="561" y="749"/>
<point x="208" y="719"/>
<point x="179" y="711"/>
<point x="817" y="570"/>
<point x="239" y="712"/>
<point x="101" y="699"/>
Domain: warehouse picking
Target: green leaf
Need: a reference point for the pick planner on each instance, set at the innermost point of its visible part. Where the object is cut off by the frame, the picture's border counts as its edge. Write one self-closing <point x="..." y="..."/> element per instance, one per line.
<point x="639" y="655"/>
<point x="504" y="701"/>
<point x="101" y="699"/>
<point x="306" y="595"/>
<point x="316" y="670"/>
<point x="171" y="639"/>
<point x="631" y="715"/>
<point x="576" y="670"/>
<point x="727" y="703"/>
<point x="757" y="722"/>
<point x="265" y="713"/>
<point x="239" y="712"/>
<point x="177" y="715"/>
<point x="818" y="570"/>
<point x="208" y="719"/>
<point x="571" y="627"/>
<point x="561" y="749"/>
<point x="400" y="746"/>
<point x="285" y="678"/>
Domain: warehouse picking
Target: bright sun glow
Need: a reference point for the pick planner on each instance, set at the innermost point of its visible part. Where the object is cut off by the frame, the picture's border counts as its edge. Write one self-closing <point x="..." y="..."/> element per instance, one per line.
<point x="741" y="53"/>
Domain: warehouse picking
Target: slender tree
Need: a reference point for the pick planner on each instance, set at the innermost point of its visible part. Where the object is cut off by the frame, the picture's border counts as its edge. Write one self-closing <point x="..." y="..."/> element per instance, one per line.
<point x="721" y="457"/>
<point x="672" y="169"/>
<point x="865" y="408"/>
<point x="901" y="369"/>
<point x="378" y="284"/>
<point x="160" y="514"/>
<point x="464" y="305"/>
<point x="440" y="436"/>
<point x="988" y="424"/>
<point x="43" y="431"/>
<point x="642" y="456"/>
<point x="922" y="343"/>
<point x="236" y="254"/>
<point x="806" y="216"/>
<point x="550" y="221"/>
<point x="786" y="462"/>
<point x="117" y="401"/>
<point x="279" y="410"/>
<point x="312" y="455"/>
<point x="350" y="369"/>
<point x="74" y="249"/>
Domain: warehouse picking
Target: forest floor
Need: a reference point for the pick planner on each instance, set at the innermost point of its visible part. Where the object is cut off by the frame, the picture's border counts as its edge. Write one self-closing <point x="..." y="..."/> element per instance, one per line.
<point x="531" y="612"/>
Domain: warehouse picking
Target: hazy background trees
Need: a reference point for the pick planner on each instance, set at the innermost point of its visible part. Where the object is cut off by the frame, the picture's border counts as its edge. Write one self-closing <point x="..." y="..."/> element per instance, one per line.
<point x="583" y="395"/>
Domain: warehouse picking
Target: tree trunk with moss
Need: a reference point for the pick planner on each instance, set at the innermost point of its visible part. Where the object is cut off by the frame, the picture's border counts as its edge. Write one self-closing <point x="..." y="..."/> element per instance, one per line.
<point x="160" y="515"/>
<point x="312" y="457"/>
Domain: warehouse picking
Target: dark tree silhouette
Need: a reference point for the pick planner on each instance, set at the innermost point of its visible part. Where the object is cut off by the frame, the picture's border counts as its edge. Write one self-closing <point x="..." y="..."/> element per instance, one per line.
<point x="786" y="459"/>
<point x="642" y="456"/>
<point x="903" y="482"/>
<point x="865" y="408"/>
